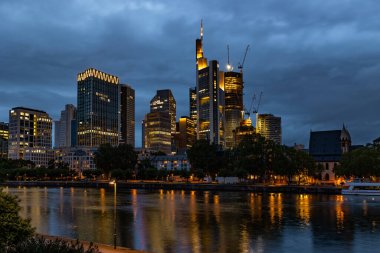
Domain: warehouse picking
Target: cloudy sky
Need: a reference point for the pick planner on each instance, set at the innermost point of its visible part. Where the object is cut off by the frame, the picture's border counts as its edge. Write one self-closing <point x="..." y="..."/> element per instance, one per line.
<point x="316" y="62"/>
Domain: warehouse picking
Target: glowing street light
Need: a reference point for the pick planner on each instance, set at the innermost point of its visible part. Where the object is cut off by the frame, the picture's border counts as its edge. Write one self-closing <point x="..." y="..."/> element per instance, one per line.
<point x="114" y="212"/>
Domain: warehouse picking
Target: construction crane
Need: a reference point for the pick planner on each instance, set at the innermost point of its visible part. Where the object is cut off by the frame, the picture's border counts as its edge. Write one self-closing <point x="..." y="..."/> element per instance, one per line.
<point x="256" y="109"/>
<point x="240" y="66"/>
<point x="252" y="108"/>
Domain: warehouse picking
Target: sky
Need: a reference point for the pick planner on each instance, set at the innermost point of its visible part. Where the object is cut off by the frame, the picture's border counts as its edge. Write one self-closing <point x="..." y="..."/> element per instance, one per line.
<point x="316" y="62"/>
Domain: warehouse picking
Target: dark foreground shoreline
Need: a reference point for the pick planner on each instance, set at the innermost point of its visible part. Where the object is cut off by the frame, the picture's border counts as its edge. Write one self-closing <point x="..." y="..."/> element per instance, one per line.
<point x="307" y="189"/>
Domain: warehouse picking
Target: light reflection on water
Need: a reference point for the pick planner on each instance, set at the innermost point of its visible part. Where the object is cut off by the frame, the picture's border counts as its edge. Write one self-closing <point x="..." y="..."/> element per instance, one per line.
<point x="180" y="221"/>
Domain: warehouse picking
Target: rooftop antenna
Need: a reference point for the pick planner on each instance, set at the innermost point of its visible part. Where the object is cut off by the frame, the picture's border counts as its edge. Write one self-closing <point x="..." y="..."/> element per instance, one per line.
<point x="229" y="66"/>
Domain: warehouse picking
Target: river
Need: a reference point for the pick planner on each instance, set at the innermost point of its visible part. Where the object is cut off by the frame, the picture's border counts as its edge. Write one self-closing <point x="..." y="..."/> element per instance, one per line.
<point x="190" y="221"/>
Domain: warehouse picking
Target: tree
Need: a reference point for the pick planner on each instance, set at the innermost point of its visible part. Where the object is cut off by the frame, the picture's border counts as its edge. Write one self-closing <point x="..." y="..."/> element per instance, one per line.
<point x="362" y="162"/>
<point x="13" y="228"/>
<point x="108" y="158"/>
<point x="203" y="158"/>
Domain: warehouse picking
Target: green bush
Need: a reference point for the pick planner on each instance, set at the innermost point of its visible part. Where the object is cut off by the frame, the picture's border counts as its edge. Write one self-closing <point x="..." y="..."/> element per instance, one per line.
<point x="13" y="228"/>
<point x="40" y="244"/>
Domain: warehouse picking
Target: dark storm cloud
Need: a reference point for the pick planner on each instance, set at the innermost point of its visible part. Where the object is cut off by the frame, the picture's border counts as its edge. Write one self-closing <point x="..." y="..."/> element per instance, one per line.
<point x="317" y="62"/>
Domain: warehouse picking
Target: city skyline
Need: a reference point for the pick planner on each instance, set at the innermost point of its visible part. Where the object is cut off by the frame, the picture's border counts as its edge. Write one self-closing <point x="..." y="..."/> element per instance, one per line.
<point x="312" y="64"/>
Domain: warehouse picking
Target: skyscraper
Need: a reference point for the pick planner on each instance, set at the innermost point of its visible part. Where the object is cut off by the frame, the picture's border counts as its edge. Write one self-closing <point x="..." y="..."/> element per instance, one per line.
<point x="4" y="136"/>
<point x="30" y="135"/>
<point x="98" y="117"/>
<point x="193" y="104"/>
<point x="157" y="132"/>
<point x="164" y="101"/>
<point x="269" y="127"/>
<point x="185" y="135"/>
<point x="63" y="127"/>
<point x="233" y="88"/>
<point x="127" y="115"/>
<point x="210" y="98"/>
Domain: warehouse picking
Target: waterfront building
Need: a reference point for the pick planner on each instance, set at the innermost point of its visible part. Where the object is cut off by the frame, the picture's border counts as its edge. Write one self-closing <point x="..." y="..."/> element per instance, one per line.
<point x="78" y="159"/>
<point x="63" y="127"/>
<point x="98" y="116"/>
<point x="269" y="127"/>
<point x="127" y="115"/>
<point x="4" y="136"/>
<point x="245" y="129"/>
<point x="30" y="136"/>
<point x="233" y="90"/>
<point x="185" y="135"/>
<point x="170" y="162"/>
<point x="210" y="97"/>
<point x="157" y="132"/>
<point x="164" y="101"/>
<point x="327" y="147"/>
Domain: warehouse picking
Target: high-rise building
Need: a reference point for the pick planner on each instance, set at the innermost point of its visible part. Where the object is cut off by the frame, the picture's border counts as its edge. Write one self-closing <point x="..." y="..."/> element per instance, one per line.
<point x="269" y="126"/>
<point x="185" y="135"/>
<point x="233" y="90"/>
<point x="210" y="98"/>
<point x="164" y="101"/>
<point x="157" y="132"/>
<point x="4" y="135"/>
<point x="98" y="113"/>
<point x="193" y="104"/>
<point x="30" y="135"/>
<point x="63" y="127"/>
<point x="127" y="115"/>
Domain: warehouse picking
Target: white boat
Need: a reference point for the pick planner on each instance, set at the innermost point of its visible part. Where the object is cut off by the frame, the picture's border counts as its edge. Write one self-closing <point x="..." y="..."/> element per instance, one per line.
<point x="365" y="189"/>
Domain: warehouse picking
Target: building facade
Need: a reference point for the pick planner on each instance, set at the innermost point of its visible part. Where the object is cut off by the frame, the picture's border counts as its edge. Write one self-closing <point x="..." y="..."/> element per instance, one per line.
<point x="4" y="136"/>
<point x="157" y="132"/>
<point x="245" y="129"/>
<point x="210" y="98"/>
<point x="193" y="104"/>
<point x="127" y="107"/>
<point x="164" y="101"/>
<point x="269" y="127"/>
<point x="63" y="127"/>
<point x="30" y="135"/>
<point x="78" y="159"/>
<point x="234" y="114"/>
<point x="185" y="135"/>
<point x="327" y="147"/>
<point x="98" y="113"/>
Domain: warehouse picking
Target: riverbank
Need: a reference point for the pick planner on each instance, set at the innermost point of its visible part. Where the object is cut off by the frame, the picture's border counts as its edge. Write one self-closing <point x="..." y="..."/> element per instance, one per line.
<point x="304" y="189"/>
<point x="103" y="248"/>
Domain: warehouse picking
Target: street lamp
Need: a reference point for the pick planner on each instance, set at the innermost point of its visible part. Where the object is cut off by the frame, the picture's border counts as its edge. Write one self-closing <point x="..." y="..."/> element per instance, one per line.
<point x="114" y="212"/>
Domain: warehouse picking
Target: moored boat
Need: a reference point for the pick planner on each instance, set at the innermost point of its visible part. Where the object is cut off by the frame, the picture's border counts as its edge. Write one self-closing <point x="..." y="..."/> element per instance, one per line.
<point x="365" y="189"/>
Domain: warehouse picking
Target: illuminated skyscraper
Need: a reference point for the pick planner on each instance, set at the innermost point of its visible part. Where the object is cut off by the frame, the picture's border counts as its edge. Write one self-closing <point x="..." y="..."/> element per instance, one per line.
<point x="63" y="127"/>
<point x="98" y="116"/>
<point x="233" y="88"/>
<point x="127" y="115"/>
<point x="185" y="135"/>
<point x="157" y="132"/>
<point x="164" y="101"/>
<point x="193" y="104"/>
<point x="210" y="98"/>
<point x="30" y="135"/>
<point x="269" y="127"/>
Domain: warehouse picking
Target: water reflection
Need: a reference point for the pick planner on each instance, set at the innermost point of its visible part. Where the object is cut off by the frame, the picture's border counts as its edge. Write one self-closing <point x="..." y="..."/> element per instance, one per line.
<point x="180" y="221"/>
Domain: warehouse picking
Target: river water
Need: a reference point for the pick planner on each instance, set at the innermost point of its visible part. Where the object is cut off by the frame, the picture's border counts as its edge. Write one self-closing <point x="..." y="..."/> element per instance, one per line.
<point x="189" y="221"/>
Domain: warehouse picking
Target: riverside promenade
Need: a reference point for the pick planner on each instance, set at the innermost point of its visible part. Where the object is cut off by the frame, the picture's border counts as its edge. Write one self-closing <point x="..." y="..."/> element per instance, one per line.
<point x="304" y="189"/>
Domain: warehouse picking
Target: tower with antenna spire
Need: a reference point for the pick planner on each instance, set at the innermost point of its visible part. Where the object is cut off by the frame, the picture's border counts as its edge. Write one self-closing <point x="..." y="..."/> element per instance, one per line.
<point x="209" y="97"/>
